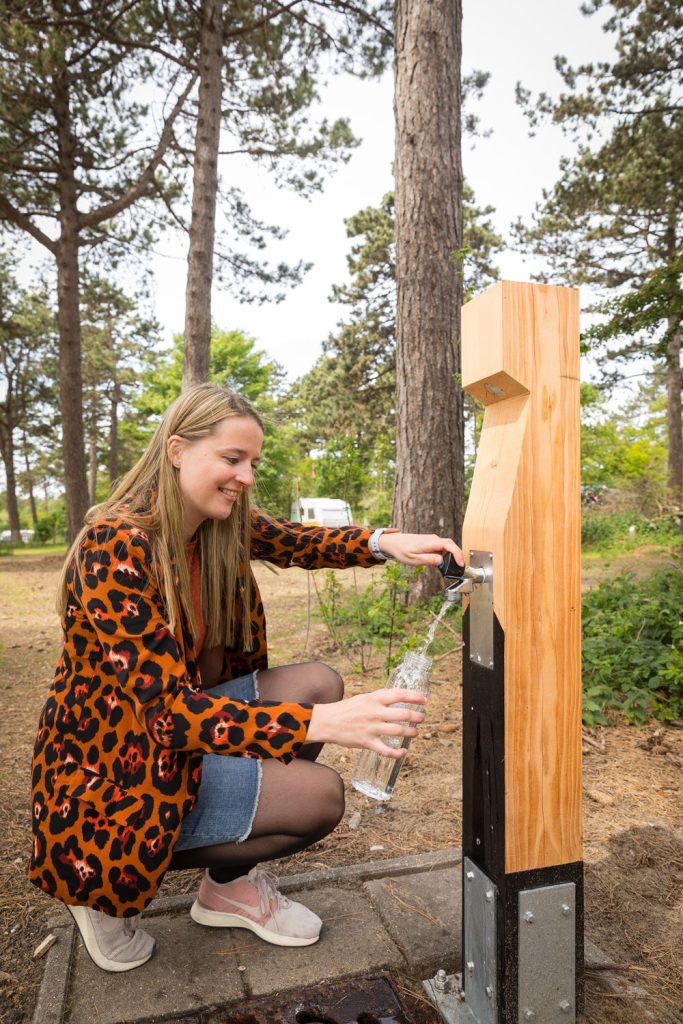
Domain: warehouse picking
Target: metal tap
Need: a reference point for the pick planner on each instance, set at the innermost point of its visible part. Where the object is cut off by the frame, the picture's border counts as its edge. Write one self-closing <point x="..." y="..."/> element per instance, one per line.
<point x="460" y="579"/>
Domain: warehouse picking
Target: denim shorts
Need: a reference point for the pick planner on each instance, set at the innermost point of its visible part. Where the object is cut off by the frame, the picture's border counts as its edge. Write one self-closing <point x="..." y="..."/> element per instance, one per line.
<point x="230" y="786"/>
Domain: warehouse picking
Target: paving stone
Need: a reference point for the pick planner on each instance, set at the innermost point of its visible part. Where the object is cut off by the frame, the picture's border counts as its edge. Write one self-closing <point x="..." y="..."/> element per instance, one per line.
<point x="422" y="914"/>
<point x="193" y="968"/>
<point x="353" y="942"/>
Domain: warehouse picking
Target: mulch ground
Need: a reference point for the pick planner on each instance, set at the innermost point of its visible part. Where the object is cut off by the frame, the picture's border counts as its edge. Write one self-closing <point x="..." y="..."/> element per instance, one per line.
<point x="633" y="781"/>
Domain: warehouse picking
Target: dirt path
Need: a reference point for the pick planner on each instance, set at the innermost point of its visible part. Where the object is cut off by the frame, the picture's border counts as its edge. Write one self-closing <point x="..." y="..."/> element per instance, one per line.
<point x="633" y="785"/>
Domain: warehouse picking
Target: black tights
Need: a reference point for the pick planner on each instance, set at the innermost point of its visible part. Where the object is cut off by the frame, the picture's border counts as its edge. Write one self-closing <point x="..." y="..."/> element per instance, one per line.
<point x="299" y="803"/>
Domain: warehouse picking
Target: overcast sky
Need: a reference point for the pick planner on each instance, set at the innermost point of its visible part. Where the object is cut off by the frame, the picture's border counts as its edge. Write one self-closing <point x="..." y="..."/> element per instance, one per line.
<point x="508" y="170"/>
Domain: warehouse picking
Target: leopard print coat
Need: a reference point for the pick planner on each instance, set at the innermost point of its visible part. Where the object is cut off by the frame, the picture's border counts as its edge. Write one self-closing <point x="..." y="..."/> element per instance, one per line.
<point x="118" y="755"/>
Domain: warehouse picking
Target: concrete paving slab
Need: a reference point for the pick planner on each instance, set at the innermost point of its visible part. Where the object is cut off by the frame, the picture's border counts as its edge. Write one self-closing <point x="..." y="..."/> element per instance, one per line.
<point x="353" y="941"/>
<point x="422" y="915"/>
<point x="192" y="969"/>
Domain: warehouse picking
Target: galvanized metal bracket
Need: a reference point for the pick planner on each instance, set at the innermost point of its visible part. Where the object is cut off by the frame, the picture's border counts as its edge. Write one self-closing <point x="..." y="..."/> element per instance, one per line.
<point x="446" y="994"/>
<point x="547" y="957"/>
<point x="481" y="610"/>
<point x="480" y="976"/>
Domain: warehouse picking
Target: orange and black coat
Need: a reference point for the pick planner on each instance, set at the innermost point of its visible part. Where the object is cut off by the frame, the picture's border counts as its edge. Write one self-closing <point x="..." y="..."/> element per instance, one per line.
<point x="118" y="756"/>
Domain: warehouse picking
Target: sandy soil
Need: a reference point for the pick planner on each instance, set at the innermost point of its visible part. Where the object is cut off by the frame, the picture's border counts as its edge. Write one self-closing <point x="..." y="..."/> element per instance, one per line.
<point x="632" y="784"/>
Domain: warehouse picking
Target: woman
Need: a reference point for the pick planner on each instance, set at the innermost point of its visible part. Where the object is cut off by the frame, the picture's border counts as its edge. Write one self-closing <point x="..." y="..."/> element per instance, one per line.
<point x="164" y="673"/>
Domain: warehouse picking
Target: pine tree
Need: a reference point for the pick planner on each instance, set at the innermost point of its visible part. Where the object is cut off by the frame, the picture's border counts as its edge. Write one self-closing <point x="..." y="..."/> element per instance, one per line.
<point x="614" y="219"/>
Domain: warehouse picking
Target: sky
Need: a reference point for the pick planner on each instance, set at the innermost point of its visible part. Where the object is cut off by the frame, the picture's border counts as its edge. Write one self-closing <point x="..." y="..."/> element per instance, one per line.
<point x="508" y="170"/>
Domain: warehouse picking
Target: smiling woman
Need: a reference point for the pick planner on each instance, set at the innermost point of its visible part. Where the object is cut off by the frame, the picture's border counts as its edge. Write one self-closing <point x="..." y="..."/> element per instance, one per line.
<point x="214" y="471"/>
<point x="164" y="672"/>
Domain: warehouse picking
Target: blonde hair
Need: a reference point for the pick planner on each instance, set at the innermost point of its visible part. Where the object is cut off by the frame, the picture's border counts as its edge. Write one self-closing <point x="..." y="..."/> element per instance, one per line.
<point x="149" y="498"/>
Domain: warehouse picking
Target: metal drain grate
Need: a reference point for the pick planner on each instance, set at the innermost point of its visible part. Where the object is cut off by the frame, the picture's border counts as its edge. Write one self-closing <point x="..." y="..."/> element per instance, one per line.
<point x="360" y="1001"/>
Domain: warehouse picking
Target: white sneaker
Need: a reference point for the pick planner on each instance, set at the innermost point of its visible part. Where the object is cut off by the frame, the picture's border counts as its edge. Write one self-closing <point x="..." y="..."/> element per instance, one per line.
<point x="253" y="902"/>
<point x="113" y="943"/>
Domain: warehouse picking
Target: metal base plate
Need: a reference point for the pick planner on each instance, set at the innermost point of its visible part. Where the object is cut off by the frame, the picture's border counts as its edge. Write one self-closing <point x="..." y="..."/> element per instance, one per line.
<point x="449" y="1000"/>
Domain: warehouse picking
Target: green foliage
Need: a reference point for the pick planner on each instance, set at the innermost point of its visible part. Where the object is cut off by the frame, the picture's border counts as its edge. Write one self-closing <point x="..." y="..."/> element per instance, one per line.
<point x="626" y="447"/>
<point x="378" y="617"/>
<point x="633" y="648"/>
<point x="51" y="528"/>
<point x="610" y="530"/>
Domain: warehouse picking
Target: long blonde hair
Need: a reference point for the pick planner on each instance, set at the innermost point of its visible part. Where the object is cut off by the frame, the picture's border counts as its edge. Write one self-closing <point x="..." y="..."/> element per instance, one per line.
<point x="149" y="498"/>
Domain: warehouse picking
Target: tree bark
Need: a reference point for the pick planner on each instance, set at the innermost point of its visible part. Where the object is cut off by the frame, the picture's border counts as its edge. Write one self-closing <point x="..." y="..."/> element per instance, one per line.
<point x="7" y="452"/>
<point x="429" y="489"/>
<point x="68" y="319"/>
<point x="197" y="337"/>
<point x="92" y="458"/>
<point x="673" y="416"/>
<point x="114" y="435"/>
<point x="29" y="483"/>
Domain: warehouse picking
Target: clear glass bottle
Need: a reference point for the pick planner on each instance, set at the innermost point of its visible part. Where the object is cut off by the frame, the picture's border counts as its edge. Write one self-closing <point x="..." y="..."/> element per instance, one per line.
<point x="374" y="774"/>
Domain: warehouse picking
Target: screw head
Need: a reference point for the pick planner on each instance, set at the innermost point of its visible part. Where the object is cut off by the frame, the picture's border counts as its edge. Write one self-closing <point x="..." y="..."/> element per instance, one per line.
<point x="529" y="918"/>
<point x="566" y="909"/>
<point x="489" y="992"/>
<point x="470" y="966"/>
<point x="470" y="876"/>
<point x="489" y="895"/>
<point x="565" y="1006"/>
<point x="529" y="1015"/>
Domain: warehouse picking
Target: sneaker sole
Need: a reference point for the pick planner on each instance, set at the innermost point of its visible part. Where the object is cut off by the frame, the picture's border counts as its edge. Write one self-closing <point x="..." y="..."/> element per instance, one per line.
<point x="87" y="933"/>
<point x="216" y="919"/>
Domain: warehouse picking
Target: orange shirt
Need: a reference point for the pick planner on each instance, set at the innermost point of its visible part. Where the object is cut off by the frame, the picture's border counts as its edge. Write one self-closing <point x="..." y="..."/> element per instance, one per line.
<point x="192" y="555"/>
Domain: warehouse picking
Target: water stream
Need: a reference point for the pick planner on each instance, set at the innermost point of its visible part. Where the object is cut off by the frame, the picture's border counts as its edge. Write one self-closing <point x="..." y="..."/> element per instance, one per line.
<point x="375" y="775"/>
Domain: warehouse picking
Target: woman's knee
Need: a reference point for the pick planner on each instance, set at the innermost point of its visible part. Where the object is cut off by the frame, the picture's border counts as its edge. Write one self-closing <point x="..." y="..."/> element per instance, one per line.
<point x="326" y="685"/>
<point x="332" y="803"/>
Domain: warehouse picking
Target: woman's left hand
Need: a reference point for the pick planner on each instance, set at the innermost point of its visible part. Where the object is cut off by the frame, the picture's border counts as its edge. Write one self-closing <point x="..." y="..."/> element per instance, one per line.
<point x="419" y="548"/>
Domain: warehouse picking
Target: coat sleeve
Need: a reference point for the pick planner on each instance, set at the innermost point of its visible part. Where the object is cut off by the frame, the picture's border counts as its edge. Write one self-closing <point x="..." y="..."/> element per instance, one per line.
<point x="310" y="547"/>
<point x="114" y="584"/>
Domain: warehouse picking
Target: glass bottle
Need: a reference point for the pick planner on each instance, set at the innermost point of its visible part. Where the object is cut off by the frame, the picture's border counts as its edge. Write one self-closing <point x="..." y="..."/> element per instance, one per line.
<point x="375" y="775"/>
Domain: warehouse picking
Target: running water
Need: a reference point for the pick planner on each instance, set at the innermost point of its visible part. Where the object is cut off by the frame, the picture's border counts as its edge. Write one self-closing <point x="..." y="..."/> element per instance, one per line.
<point x="435" y="625"/>
<point x="374" y="774"/>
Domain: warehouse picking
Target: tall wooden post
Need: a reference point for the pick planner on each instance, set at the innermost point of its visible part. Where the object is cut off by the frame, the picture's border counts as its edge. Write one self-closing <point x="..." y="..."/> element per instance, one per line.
<point x="522" y="863"/>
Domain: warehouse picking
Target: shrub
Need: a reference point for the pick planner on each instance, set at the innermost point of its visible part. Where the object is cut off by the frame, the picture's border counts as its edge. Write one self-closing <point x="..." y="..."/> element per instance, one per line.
<point x="633" y="648"/>
<point x="609" y="529"/>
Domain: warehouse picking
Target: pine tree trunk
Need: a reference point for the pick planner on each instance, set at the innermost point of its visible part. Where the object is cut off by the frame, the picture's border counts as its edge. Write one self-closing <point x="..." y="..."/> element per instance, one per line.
<point x="7" y="452"/>
<point x="69" y="322"/>
<point x="92" y="459"/>
<point x="205" y="186"/>
<point x="114" y="435"/>
<point x="29" y="484"/>
<point x="429" y="489"/>
<point x="674" y="422"/>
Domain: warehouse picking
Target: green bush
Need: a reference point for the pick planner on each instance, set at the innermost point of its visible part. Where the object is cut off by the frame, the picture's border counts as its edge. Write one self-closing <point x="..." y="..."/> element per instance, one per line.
<point x="633" y="648"/>
<point x="52" y="527"/>
<point x="608" y="529"/>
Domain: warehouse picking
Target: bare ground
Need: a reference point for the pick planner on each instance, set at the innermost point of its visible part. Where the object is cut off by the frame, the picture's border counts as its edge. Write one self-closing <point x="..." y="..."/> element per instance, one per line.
<point x="632" y="784"/>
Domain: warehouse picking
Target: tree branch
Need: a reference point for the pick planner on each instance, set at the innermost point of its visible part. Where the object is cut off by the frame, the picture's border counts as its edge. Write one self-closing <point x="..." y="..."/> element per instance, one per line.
<point x="9" y="212"/>
<point x="95" y="217"/>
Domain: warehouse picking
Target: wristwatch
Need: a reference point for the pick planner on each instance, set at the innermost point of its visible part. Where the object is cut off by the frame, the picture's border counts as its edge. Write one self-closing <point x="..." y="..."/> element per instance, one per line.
<point x="374" y="545"/>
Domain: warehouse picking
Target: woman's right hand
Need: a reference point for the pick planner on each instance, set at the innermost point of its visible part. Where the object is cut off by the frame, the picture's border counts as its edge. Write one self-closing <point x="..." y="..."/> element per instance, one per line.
<point x="363" y="720"/>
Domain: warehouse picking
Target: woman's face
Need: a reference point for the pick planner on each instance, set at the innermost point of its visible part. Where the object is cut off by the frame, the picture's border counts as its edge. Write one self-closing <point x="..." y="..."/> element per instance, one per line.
<point x="214" y="471"/>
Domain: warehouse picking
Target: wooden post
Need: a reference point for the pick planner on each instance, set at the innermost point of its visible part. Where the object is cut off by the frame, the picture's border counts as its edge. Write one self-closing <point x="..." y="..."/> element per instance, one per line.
<point x="522" y="846"/>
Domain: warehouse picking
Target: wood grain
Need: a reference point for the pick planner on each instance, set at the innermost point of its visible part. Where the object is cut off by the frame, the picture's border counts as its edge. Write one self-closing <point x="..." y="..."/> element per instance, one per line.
<point x="520" y="356"/>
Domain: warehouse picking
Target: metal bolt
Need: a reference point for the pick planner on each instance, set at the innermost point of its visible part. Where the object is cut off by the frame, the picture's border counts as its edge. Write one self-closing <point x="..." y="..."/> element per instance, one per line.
<point x="529" y="917"/>
<point x="441" y="981"/>
<point x="565" y="1006"/>
<point x="478" y="842"/>
<point x="470" y="876"/>
<point x="566" y="909"/>
<point x="489" y="895"/>
<point x="489" y="992"/>
<point x="529" y="1015"/>
<point x="470" y="966"/>
<point x="479" y="657"/>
